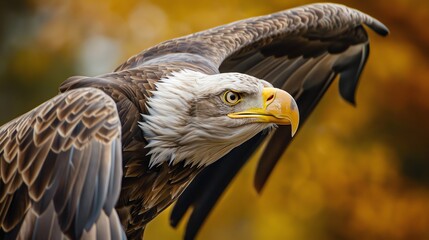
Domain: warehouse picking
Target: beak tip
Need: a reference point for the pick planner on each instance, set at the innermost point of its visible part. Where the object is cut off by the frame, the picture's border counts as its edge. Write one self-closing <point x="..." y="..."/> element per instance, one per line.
<point x="294" y="119"/>
<point x="294" y="130"/>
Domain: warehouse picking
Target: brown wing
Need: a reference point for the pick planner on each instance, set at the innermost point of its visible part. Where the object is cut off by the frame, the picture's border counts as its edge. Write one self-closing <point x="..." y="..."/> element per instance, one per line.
<point x="300" y="50"/>
<point x="313" y="22"/>
<point x="61" y="168"/>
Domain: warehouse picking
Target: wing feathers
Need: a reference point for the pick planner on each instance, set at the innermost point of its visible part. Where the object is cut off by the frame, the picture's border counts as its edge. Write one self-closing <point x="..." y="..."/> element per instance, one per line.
<point x="88" y="194"/>
<point x="219" y="43"/>
<point x="68" y="170"/>
<point x="115" y="178"/>
<point x="350" y="76"/>
<point x="8" y="170"/>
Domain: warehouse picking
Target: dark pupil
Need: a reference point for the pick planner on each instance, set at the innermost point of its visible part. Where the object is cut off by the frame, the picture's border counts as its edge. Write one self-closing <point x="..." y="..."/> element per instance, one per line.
<point x="232" y="97"/>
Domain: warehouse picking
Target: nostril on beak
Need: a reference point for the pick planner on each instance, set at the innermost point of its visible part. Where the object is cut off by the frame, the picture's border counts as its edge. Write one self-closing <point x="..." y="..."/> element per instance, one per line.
<point x="271" y="97"/>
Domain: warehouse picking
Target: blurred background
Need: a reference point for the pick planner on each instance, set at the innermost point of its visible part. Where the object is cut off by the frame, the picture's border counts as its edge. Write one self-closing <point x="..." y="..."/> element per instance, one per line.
<point x="351" y="173"/>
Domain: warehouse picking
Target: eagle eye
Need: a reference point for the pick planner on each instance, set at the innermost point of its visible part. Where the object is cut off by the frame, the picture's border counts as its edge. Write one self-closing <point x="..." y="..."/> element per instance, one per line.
<point x="231" y="97"/>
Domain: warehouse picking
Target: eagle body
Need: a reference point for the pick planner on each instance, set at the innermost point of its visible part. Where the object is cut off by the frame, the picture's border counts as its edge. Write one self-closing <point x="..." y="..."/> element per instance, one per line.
<point x="146" y="190"/>
<point x="174" y="122"/>
<point x="151" y="182"/>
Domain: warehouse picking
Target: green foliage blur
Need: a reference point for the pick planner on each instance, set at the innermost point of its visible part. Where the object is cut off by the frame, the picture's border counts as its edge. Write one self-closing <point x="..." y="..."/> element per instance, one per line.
<point x="351" y="173"/>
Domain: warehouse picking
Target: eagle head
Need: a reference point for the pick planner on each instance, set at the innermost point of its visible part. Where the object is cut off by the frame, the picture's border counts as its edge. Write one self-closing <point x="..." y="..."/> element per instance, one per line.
<point x="198" y="118"/>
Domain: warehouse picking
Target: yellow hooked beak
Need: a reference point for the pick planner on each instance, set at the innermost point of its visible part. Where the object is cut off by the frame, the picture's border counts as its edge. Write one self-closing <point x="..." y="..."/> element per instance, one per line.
<point x="279" y="108"/>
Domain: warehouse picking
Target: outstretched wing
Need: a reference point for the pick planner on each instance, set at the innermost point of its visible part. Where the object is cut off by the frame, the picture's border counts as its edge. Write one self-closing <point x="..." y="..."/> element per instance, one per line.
<point x="300" y="50"/>
<point x="61" y="169"/>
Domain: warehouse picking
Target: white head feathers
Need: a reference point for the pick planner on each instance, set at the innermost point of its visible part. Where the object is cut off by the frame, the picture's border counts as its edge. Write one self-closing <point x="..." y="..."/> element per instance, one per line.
<point x="188" y="121"/>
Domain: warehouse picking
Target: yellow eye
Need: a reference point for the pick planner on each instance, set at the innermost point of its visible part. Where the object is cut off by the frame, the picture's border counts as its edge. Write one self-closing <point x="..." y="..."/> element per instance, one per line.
<point x="231" y="98"/>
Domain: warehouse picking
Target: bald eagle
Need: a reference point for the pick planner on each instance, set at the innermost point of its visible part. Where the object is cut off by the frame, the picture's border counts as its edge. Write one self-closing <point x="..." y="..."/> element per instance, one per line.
<point x="174" y="122"/>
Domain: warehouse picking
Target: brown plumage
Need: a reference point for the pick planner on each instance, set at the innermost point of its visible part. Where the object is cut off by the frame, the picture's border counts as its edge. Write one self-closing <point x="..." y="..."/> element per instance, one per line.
<point x="48" y="184"/>
<point x="45" y="169"/>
